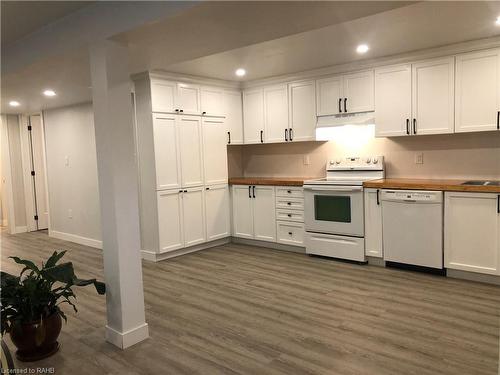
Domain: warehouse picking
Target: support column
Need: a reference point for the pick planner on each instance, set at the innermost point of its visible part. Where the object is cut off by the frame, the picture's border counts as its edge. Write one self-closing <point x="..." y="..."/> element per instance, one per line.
<point x="118" y="194"/>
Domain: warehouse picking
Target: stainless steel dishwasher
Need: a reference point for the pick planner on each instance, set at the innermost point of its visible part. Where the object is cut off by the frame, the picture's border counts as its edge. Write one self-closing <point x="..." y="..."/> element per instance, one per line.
<point x="412" y="223"/>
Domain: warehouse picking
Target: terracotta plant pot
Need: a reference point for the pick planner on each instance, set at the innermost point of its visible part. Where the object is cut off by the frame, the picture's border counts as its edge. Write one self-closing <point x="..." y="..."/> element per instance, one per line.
<point x="36" y="340"/>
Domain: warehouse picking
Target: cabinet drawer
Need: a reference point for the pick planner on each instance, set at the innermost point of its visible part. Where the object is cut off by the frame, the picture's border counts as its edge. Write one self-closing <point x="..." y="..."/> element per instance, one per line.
<point x="290" y="215"/>
<point x="290" y="203"/>
<point x="290" y="233"/>
<point x="288" y="191"/>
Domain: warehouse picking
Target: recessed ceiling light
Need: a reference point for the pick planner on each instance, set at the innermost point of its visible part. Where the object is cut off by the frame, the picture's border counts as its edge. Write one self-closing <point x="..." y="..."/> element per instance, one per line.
<point x="498" y="21"/>
<point x="240" y="72"/>
<point x="49" y="93"/>
<point x="362" y="48"/>
<point x="14" y="103"/>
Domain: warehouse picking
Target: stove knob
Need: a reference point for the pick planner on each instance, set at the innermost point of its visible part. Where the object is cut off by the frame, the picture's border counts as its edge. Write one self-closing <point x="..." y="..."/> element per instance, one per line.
<point x="375" y="160"/>
<point x="337" y="161"/>
<point x="368" y="160"/>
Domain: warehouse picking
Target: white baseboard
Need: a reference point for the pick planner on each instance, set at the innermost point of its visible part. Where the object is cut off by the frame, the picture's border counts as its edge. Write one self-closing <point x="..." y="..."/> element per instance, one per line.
<point x="156" y="257"/>
<point x="269" y="245"/>
<point x="22" y="229"/>
<point x="126" y="339"/>
<point x="76" y="239"/>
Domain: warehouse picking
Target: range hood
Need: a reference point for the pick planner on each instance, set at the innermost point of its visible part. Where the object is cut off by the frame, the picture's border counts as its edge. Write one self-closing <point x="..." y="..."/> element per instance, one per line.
<point x="363" y="118"/>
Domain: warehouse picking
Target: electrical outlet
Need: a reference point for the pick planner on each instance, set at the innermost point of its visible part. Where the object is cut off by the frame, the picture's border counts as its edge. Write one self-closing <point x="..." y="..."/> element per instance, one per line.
<point x="70" y="214"/>
<point x="419" y="158"/>
<point x="307" y="161"/>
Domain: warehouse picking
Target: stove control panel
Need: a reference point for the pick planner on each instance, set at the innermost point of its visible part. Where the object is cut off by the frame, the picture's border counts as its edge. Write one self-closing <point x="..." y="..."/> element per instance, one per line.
<point x="357" y="163"/>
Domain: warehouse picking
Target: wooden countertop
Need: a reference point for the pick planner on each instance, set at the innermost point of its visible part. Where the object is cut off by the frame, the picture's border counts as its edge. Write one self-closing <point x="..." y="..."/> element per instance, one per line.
<point x="276" y="181"/>
<point x="429" y="184"/>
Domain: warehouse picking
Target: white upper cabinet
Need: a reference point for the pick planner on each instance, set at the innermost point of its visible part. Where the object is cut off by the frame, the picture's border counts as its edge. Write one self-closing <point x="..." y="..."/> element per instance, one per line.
<point x="212" y="101"/>
<point x="329" y="96"/>
<point x="276" y="113"/>
<point x="233" y="110"/>
<point x="193" y="214"/>
<point x="359" y="93"/>
<point x="253" y="116"/>
<point x="170" y="220"/>
<point x="302" y="99"/>
<point x="433" y="104"/>
<point x="188" y="99"/>
<point x="163" y="95"/>
<point x="348" y="93"/>
<point x="214" y="150"/>
<point x="217" y="212"/>
<point x="472" y="232"/>
<point x="166" y="151"/>
<point x="393" y="100"/>
<point x="190" y="145"/>
<point x="477" y="91"/>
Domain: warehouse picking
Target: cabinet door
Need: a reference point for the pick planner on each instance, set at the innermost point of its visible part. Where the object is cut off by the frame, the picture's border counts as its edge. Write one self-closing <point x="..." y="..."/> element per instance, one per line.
<point x="170" y="221"/>
<point x="393" y="101"/>
<point x="433" y="96"/>
<point x="212" y="101"/>
<point x="166" y="149"/>
<point x="477" y="91"/>
<point x="188" y="99"/>
<point x="193" y="214"/>
<point x="163" y="96"/>
<point x="329" y="96"/>
<point x="253" y="116"/>
<point x="471" y="232"/>
<point x="242" y="211"/>
<point x="217" y="212"/>
<point x="373" y="224"/>
<point x="289" y="233"/>
<point x="276" y="113"/>
<point x="359" y="91"/>
<point x="214" y="151"/>
<point x="234" y="117"/>
<point x="302" y="96"/>
<point x="264" y="219"/>
<point x="190" y="145"/>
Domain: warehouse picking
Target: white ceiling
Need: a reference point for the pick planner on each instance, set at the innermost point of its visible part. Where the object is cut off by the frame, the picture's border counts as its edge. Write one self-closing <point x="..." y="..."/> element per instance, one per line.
<point x="267" y="38"/>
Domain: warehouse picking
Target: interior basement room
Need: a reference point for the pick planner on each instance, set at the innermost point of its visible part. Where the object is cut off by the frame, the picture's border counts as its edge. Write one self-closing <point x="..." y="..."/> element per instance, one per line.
<point x="250" y="187"/>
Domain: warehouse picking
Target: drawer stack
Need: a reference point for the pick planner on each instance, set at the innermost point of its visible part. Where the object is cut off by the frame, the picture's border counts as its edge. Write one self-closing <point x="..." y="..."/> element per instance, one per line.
<point x="290" y="215"/>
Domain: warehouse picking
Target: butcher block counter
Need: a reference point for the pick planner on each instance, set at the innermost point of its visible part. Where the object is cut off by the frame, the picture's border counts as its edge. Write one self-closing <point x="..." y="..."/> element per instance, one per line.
<point x="275" y="181"/>
<point x="429" y="184"/>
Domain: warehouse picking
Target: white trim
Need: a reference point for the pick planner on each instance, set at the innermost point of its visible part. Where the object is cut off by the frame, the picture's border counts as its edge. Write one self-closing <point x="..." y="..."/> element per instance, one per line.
<point x="128" y="338"/>
<point x="20" y="229"/>
<point x="156" y="257"/>
<point x="76" y="239"/>
<point x="269" y="245"/>
<point x="46" y="174"/>
<point x="186" y="78"/>
<point x="29" y="194"/>
<point x="7" y="175"/>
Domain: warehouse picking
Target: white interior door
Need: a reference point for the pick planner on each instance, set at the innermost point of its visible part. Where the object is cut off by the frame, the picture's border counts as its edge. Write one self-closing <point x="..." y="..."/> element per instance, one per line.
<point x="242" y="211"/>
<point x="214" y="151"/>
<point x="477" y="91"/>
<point x="329" y="96"/>
<point x="264" y="219"/>
<point x="253" y="115"/>
<point x="393" y="101"/>
<point x="170" y="220"/>
<point x="217" y="212"/>
<point x="302" y="96"/>
<point x="276" y="113"/>
<point x="190" y="144"/>
<point x="433" y="104"/>
<point x="359" y="92"/>
<point x="193" y="213"/>
<point x="167" y="154"/>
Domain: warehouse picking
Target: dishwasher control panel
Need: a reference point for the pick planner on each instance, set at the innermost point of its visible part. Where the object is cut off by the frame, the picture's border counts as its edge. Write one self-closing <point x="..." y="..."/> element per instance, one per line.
<point x="413" y="196"/>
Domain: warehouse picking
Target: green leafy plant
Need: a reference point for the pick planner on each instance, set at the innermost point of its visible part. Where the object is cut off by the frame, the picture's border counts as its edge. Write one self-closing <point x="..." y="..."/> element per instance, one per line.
<point x="38" y="292"/>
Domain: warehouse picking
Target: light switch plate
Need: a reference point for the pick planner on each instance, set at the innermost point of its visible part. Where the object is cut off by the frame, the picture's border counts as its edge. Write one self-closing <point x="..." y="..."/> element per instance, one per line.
<point x="307" y="161"/>
<point x="419" y="158"/>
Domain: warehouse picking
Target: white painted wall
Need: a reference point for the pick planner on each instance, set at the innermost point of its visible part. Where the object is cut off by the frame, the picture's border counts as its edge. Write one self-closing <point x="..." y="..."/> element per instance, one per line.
<point x="69" y="134"/>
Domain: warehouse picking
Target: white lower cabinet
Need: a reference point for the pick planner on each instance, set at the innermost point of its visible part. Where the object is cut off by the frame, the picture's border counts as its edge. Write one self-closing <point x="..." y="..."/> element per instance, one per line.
<point x="472" y="232"/>
<point x="290" y="233"/>
<point x="373" y="224"/>
<point x="193" y="214"/>
<point x="217" y="212"/>
<point x="170" y="221"/>
<point x="253" y="212"/>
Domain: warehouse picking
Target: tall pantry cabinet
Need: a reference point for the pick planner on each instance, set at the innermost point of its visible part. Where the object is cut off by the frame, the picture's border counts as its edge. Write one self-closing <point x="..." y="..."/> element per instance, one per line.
<point x="182" y="162"/>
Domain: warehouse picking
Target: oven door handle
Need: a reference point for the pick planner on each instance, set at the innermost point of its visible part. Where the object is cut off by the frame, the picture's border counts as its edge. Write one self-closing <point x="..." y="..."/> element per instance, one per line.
<point x="334" y="188"/>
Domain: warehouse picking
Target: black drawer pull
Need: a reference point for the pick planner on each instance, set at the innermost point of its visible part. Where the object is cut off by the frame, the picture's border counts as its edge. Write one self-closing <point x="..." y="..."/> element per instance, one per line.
<point x="290" y="233"/>
<point x="340" y="105"/>
<point x="289" y="203"/>
<point x="289" y="215"/>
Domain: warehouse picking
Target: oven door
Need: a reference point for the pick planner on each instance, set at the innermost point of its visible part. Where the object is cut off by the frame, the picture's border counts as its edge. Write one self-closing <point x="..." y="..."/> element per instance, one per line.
<point x="334" y="209"/>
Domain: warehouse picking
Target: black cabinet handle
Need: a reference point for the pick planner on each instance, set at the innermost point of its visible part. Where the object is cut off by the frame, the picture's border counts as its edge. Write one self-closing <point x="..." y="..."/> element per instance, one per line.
<point x="291" y="134"/>
<point x="498" y="204"/>
<point x="203" y="113"/>
<point x="207" y="188"/>
<point x="180" y="191"/>
<point x="181" y="111"/>
<point x="290" y="233"/>
<point x="498" y="120"/>
<point x="289" y="191"/>
<point x="286" y="135"/>
<point x="340" y="105"/>
<point x="262" y="136"/>
<point x="176" y="110"/>
<point x="228" y="138"/>
<point x="289" y="203"/>
<point x="345" y="105"/>
<point x="414" y="126"/>
<point x="408" y="126"/>
<point x="378" y="197"/>
<point x="249" y="192"/>
<point x="253" y="191"/>
<point x="185" y="191"/>
<point x="289" y="215"/>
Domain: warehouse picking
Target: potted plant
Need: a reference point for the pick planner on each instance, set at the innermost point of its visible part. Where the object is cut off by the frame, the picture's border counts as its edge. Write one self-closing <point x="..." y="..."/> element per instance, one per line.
<point x="30" y="304"/>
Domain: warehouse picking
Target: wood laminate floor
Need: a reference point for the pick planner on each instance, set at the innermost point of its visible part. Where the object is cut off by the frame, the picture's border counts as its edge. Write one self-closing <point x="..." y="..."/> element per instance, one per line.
<point x="240" y="309"/>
